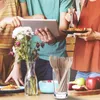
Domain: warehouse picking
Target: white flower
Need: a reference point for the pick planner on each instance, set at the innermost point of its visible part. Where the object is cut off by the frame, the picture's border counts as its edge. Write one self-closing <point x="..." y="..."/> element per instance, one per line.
<point x="22" y="30"/>
<point x="28" y="31"/>
<point x="16" y="32"/>
<point x="20" y="36"/>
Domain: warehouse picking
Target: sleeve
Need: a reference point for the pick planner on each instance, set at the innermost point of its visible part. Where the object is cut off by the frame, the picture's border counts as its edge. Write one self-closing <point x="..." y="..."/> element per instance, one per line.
<point x="22" y="0"/>
<point x="65" y="4"/>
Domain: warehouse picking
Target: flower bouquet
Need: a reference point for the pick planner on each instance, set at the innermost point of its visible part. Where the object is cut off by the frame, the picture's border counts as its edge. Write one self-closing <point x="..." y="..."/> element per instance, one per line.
<point x="21" y="48"/>
<point x="23" y="51"/>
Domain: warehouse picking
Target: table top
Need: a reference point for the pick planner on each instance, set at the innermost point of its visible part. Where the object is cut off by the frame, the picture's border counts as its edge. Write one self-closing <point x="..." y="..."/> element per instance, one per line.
<point x="22" y="96"/>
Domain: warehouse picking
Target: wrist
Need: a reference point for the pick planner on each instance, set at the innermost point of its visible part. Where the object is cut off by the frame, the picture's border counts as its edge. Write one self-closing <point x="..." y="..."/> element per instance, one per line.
<point x="17" y="66"/>
<point x="53" y="41"/>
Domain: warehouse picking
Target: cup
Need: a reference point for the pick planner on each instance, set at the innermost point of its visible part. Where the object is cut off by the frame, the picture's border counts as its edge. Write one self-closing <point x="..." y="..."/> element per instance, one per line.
<point x="61" y="85"/>
<point x="61" y="75"/>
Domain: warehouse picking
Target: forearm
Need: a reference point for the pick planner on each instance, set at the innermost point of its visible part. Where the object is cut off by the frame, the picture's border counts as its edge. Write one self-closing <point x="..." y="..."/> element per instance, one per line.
<point x="63" y="25"/>
<point x="17" y="64"/>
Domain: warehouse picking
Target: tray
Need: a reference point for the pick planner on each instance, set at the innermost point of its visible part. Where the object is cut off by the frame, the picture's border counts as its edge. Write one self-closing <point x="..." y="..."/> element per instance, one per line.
<point x="71" y="32"/>
<point x="84" y="93"/>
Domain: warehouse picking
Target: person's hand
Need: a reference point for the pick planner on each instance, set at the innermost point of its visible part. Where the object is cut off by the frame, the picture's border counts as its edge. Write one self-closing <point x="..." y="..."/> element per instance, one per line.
<point x="13" y="21"/>
<point x="45" y="35"/>
<point x="71" y="17"/>
<point x="15" y="75"/>
<point x="88" y="36"/>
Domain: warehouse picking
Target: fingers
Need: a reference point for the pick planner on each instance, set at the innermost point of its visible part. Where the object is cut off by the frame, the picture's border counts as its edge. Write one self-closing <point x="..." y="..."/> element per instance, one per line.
<point x="8" y="78"/>
<point x="42" y="31"/>
<point x="13" y="21"/>
<point x="77" y="34"/>
<point x="38" y="33"/>
<point x="16" y="22"/>
<point x="20" y="17"/>
<point x="49" y="34"/>
<point x="83" y="34"/>
<point x="84" y="38"/>
<point x="43" y="34"/>
<point x="17" y="82"/>
<point x="71" y="10"/>
<point x="21" y="82"/>
<point x="89" y="29"/>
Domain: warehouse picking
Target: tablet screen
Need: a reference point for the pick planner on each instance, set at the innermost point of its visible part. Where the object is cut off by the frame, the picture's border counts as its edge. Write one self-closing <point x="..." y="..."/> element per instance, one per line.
<point x="52" y="25"/>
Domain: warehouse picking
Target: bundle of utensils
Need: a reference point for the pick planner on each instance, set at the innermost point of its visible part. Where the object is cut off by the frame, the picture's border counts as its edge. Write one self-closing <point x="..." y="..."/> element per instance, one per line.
<point x="61" y="71"/>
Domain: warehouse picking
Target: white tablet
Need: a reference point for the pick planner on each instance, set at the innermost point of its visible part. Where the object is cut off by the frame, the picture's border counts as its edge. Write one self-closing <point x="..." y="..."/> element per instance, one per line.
<point x="52" y="25"/>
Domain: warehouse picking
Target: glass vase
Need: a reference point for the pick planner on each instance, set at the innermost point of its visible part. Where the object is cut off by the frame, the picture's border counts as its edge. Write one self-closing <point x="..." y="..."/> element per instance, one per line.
<point x="31" y="86"/>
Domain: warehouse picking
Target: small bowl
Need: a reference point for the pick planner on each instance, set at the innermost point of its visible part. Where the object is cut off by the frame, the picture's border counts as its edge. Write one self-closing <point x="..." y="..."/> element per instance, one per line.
<point x="46" y="86"/>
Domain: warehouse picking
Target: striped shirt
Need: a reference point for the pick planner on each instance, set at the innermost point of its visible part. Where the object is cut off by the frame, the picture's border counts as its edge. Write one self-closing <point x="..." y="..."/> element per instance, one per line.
<point x="11" y="8"/>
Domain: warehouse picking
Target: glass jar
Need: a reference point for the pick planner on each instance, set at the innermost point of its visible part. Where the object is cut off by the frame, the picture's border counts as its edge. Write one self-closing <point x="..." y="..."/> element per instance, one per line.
<point x="31" y="86"/>
<point x="61" y="75"/>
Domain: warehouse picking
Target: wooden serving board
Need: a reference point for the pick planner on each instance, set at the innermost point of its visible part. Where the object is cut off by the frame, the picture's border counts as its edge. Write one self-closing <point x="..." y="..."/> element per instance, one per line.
<point x="84" y="93"/>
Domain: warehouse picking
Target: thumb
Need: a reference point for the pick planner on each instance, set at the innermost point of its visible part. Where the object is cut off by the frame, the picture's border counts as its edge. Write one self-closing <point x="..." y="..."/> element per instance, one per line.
<point x="17" y="82"/>
<point x="68" y="17"/>
<point x="20" y="80"/>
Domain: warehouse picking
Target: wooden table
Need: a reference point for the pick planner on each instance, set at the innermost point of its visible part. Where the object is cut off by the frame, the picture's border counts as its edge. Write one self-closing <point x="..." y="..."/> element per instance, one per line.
<point x="22" y="96"/>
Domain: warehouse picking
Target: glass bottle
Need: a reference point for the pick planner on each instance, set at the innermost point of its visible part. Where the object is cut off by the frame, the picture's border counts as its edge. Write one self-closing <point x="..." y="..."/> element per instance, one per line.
<point x="31" y="87"/>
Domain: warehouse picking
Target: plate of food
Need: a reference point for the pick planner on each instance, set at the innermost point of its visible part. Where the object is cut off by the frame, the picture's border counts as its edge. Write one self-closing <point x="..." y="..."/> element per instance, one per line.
<point x="75" y="30"/>
<point x="11" y="89"/>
